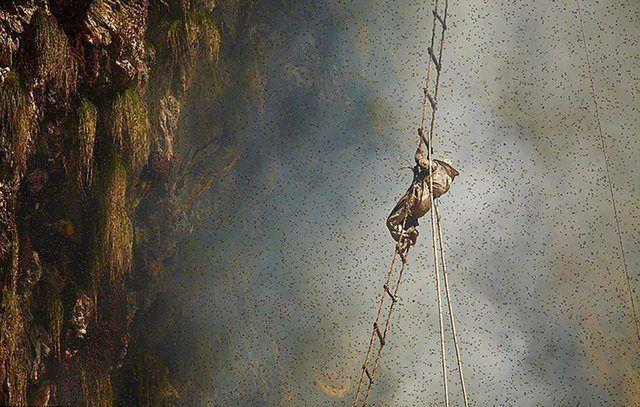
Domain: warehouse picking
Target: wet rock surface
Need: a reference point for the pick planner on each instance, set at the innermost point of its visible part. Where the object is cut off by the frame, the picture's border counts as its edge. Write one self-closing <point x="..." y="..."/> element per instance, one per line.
<point x="94" y="170"/>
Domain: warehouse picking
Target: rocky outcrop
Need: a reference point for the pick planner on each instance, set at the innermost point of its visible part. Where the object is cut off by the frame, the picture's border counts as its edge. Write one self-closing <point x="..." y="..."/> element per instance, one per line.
<point x="97" y="178"/>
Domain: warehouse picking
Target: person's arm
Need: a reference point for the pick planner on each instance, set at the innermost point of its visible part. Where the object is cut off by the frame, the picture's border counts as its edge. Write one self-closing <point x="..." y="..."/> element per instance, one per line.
<point x="423" y="161"/>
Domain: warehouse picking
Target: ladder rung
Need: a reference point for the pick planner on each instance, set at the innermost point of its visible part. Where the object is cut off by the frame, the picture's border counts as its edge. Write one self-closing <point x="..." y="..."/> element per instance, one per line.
<point x="368" y="375"/>
<point x="386" y="287"/>
<point x="432" y="101"/>
<point x="375" y="326"/>
<point x="435" y="60"/>
<point x="442" y="21"/>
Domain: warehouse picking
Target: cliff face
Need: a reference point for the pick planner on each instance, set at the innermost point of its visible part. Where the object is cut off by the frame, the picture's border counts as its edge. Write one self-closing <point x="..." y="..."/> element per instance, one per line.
<point x="104" y="157"/>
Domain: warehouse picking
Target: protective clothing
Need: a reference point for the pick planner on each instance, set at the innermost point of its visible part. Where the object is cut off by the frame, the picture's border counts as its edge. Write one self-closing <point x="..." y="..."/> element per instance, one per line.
<point x="416" y="202"/>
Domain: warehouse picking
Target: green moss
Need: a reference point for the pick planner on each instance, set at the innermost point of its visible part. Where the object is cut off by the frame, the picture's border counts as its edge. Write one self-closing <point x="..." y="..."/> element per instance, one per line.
<point x="82" y="156"/>
<point x="114" y="236"/>
<point x="11" y="352"/>
<point x="151" y="381"/>
<point x="10" y="315"/>
<point x="54" y="63"/>
<point x="183" y="48"/>
<point x="183" y="37"/>
<point x="209" y="36"/>
<point x="16" y="122"/>
<point x="189" y="37"/>
<point x="129" y="127"/>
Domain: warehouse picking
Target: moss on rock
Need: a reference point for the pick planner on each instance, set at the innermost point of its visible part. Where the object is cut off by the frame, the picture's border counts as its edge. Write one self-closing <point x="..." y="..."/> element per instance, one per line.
<point x="53" y="62"/>
<point x="82" y="158"/>
<point x="182" y="37"/>
<point x="113" y="248"/>
<point x="209" y="36"/>
<point x="16" y="123"/>
<point x="14" y="372"/>
<point x="129" y="128"/>
<point x="194" y="34"/>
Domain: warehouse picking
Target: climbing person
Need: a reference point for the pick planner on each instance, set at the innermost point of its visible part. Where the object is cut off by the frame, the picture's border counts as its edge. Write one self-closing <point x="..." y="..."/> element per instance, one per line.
<point x="416" y="202"/>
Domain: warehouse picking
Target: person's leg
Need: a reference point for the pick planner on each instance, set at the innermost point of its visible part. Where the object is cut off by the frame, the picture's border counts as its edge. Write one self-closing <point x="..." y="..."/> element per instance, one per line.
<point x="408" y="238"/>
<point x="411" y="229"/>
<point x="396" y="219"/>
<point x="402" y="247"/>
<point x="413" y="235"/>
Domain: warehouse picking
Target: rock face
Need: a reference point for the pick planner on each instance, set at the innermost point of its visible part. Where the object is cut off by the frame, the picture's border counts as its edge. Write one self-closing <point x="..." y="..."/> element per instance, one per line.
<point x="95" y="172"/>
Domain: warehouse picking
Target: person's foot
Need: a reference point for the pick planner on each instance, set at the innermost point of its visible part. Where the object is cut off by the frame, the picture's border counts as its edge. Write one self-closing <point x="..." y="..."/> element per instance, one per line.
<point x="413" y="235"/>
<point x="401" y="248"/>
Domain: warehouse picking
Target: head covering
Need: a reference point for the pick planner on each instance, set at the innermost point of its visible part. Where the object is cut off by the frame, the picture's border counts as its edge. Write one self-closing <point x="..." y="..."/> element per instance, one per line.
<point x="453" y="173"/>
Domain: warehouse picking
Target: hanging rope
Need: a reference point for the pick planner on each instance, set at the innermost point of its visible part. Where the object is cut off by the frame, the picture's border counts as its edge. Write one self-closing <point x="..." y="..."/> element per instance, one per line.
<point x="443" y="357"/>
<point x="437" y="61"/>
<point x="450" y="307"/>
<point x="614" y="205"/>
<point x="428" y="99"/>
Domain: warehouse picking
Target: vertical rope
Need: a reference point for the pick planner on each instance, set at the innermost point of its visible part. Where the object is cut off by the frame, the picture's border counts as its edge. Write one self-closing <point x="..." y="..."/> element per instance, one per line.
<point x="422" y="138"/>
<point x="443" y="357"/>
<point x="452" y="321"/>
<point x="608" y="175"/>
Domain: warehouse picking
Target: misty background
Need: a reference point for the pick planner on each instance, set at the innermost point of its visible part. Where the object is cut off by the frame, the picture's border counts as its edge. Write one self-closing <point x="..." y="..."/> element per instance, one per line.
<point x="282" y="277"/>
